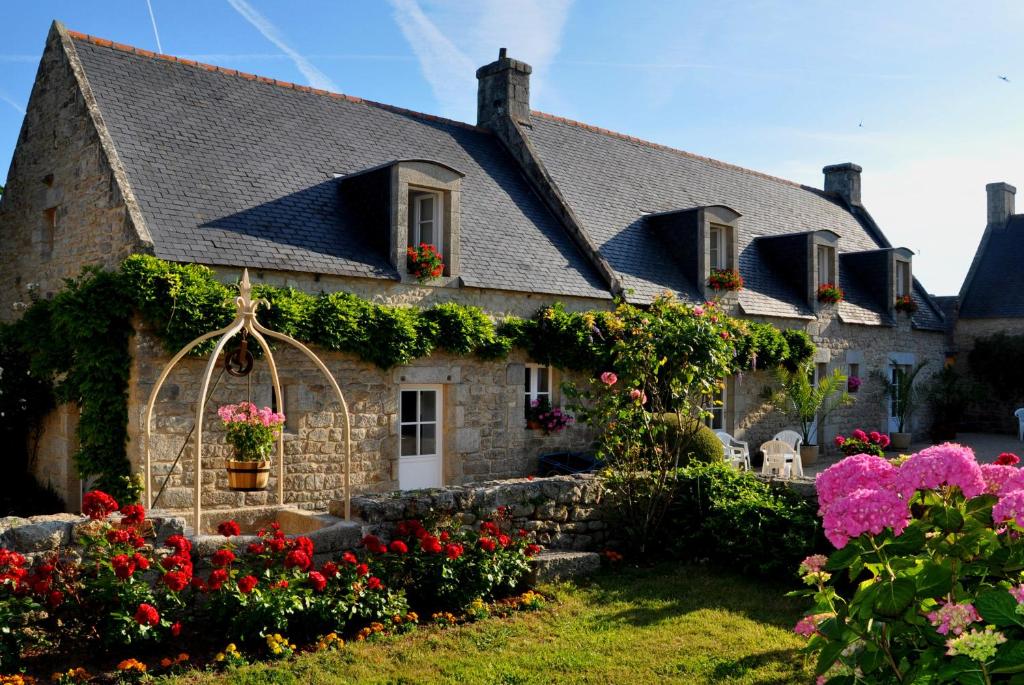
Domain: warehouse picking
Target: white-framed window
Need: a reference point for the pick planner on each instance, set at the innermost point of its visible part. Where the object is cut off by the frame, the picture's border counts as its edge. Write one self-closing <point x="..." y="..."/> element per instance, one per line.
<point x="425" y="224"/>
<point x="537" y="384"/>
<point x="717" y="406"/>
<point x="826" y="264"/>
<point x="717" y="256"/>
<point x="902" y="278"/>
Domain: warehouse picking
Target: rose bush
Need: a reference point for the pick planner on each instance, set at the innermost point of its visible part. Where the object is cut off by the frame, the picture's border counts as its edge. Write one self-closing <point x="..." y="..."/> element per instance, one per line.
<point x="450" y="566"/>
<point x="926" y="585"/>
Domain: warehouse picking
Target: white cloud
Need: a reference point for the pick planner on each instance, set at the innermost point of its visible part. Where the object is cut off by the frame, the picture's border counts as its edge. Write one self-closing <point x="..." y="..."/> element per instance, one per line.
<point x="451" y="39"/>
<point x="314" y="76"/>
<point x="13" y="103"/>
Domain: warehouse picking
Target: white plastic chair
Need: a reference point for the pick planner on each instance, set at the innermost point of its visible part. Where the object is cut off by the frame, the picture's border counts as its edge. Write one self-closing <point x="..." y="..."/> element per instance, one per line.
<point x="790" y="437"/>
<point x="1020" y="423"/>
<point x="781" y="459"/>
<point x="736" y="451"/>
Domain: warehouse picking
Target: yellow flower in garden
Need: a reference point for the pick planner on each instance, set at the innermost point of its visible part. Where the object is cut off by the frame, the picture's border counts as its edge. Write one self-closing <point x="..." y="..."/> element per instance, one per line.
<point x="219" y="657"/>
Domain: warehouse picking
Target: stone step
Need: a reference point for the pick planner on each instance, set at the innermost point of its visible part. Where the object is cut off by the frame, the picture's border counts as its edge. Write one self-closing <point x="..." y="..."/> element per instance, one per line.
<point x="552" y="565"/>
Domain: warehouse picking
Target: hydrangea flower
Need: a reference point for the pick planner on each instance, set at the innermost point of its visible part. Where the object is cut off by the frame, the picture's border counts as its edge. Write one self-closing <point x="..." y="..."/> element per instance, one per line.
<point x="853" y="473"/>
<point x="996" y="476"/>
<point x="946" y="464"/>
<point x="808" y="625"/>
<point x="952" y="617"/>
<point x="1018" y="593"/>
<point x="979" y="645"/>
<point x="1010" y="507"/>
<point x="865" y="510"/>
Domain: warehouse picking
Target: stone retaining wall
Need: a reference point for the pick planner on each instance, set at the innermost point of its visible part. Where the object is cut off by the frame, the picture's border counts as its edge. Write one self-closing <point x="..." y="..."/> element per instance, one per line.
<point x="565" y="512"/>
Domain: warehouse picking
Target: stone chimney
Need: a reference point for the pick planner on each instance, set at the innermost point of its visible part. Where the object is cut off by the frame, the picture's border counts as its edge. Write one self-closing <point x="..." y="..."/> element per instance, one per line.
<point x="1000" y="202"/>
<point x="844" y="181"/>
<point x="503" y="91"/>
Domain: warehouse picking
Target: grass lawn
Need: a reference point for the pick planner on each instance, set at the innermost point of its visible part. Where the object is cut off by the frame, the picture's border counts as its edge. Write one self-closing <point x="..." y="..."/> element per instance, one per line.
<point x="669" y="623"/>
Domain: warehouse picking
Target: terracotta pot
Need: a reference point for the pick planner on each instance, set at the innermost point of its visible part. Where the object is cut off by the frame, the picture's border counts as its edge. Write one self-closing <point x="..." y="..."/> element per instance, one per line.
<point x="808" y="454"/>
<point x="900" y="441"/>
<point x="248" y="476"/>
<point x="534" y="425"/>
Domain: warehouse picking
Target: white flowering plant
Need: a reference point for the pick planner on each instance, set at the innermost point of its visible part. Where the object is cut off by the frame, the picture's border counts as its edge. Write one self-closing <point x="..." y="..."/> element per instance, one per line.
<point x="926" y="583"/>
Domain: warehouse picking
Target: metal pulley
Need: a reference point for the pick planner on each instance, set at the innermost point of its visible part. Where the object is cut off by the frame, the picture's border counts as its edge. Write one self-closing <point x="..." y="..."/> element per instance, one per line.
<point x="240" y="362"/>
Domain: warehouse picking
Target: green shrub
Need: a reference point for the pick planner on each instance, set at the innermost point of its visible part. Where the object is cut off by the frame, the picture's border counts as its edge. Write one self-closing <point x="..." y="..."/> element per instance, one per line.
<point x="694" y="442"/>
<point x="801" y="348"/>
<point x="733" y="517"/>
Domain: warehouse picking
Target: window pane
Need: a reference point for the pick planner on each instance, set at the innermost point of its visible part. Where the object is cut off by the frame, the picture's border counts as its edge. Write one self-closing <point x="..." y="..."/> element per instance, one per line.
<point x="428" y="441"/>
<point x="542" y="380"/>
<point x="427" y="233"/>
<point x="408" y="413"/>
<point x="427" y="208"/>
<point x="529" y="380"/>
<point x="409" y="441"/>
<point x="428" y="405"/>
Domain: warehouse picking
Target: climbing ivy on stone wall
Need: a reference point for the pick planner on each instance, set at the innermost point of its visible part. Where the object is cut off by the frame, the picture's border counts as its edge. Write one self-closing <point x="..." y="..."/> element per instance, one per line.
<point x="76" y="346"/>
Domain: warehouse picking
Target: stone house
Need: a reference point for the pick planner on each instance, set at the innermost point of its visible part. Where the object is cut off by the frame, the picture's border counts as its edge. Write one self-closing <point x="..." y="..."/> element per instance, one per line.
<point x="991" y="300"/>
<point x="125" y="151"/>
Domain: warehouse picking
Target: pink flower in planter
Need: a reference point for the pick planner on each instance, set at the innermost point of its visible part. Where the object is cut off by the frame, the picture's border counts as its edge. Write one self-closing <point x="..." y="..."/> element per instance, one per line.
<point x="698" y="311"/>
<point x="865" y="511"/>
<point x="947" y="464"/>
<point x="860" y="435"/>
<point x="853" y="473"/>
<point x="609" y="378"/>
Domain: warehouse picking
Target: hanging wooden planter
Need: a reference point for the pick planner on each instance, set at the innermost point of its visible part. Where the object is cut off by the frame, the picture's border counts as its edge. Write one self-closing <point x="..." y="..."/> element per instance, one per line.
<point x="248" y="476"/>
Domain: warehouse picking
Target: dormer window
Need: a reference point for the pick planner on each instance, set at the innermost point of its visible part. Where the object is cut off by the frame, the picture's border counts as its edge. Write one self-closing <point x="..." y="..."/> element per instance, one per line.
<point x="402" y="204"/>
<point x="425" y="219"/>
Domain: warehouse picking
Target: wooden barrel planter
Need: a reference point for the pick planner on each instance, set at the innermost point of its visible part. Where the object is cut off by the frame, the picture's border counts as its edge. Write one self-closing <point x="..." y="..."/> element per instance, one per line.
<point x="248" y="476"/>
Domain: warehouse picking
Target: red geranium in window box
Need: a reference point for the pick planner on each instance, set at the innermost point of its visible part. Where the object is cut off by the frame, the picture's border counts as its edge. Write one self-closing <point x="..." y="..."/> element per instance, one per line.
<point x="425" y="262"/>
<point x="725" y="279"/>
<point x="830" y="293"/>
<point x="906" y="304"/>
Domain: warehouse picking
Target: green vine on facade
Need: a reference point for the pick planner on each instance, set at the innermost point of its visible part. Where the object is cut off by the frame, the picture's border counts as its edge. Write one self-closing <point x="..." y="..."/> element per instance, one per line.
<point x="76" y="345"/>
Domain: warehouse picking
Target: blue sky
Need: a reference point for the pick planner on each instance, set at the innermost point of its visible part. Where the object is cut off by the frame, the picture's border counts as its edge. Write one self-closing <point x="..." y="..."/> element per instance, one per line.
<point x="908" y="90"/>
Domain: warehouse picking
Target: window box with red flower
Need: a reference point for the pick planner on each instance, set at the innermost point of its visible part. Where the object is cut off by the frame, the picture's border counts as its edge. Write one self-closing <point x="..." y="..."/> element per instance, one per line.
<point x="905" y="304"/>
<point x="425" y="262"/>
<point x="853" y="383"/>
<point x="830" y="293"/>
<point x="725" y="279"/>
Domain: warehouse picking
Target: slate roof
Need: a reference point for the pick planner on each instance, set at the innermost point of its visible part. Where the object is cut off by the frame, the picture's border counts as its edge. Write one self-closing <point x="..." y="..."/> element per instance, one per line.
<point x="233" y="169"/>
<point x="238" y="171"/>
<point x="995" y="284"/>
<point x="612" y="181"/>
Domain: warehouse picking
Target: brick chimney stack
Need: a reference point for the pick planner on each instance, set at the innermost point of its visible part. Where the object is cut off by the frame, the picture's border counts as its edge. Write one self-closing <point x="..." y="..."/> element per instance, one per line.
<point x="503" y="91"/>
<point x="844" y="181"/>
<point x="1000" y="202"/>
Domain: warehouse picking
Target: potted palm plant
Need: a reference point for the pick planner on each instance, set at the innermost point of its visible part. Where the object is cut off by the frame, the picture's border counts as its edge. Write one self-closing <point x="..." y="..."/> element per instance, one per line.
<point x="806" y="403"/>
<point x="252" y="433"/>
<point x="903" y="396"/>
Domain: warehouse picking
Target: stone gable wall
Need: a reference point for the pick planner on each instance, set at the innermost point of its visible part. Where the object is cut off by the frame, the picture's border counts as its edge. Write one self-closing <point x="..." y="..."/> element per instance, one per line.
<point x="62" y="208"/>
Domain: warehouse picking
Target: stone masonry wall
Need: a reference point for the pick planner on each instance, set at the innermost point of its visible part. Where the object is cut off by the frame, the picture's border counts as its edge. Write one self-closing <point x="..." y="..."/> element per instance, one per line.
<point x="749" y="418"/>
<point x="565" y="512"/>
<point x="484" y="435"/>
<point x="61" y="209"/>
<point x="990" y="414"/>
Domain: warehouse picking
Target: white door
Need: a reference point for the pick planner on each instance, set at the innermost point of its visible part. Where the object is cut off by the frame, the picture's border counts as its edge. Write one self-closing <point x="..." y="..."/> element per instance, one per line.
<point x="894" y="422"/>
<point x="419" y="456"/>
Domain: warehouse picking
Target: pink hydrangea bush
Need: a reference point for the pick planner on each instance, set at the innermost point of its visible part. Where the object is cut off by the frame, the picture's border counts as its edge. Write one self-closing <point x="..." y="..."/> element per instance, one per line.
<point x="927" y="583"/>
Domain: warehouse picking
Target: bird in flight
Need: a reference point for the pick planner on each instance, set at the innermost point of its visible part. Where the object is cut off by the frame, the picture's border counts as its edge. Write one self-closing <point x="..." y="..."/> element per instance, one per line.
<point x="1004" y="78"/>
<point x="861" y="124"/>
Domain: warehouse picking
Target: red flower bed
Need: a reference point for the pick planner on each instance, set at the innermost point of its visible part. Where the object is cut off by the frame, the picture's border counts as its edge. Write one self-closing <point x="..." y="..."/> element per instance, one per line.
<point x="124" y="593"/>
